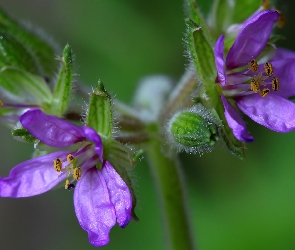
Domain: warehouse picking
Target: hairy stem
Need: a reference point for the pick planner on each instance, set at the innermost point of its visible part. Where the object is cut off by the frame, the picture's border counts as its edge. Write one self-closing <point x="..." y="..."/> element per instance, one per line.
<point x="172" y="197"/>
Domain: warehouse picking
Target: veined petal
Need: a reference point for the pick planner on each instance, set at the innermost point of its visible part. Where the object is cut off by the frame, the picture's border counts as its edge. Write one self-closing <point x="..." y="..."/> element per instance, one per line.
<point x="273" y="111"/>
<point x="32" y="177"/>
<point x="94" y="210"/>
<point x="119" y="194"/>
<point x="235" y="122"/>
<point x="92" y="135"/>
<point x="219" y="60"/>
<point x="252" y="39"/>
<point x="51" y="130"/>
<point x="283" y="54"/>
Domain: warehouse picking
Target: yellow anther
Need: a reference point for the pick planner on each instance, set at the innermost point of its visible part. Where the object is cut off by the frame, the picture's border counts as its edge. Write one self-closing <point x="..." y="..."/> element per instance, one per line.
<point x="265" y="4"/>
<point x="67" y="184"/>
<point x="275" y="84"/>
<point x="1" y="103"/>
<point x="268" y="69"/>
<point x="57" y="164"/>
<point x="282" y="19"/>
<point x="264" y="92"/>
<point x="255" y="86"/>
<point x="70" y="158"/>
<point x="253" y="65"/>
<point x="77" y="172"/>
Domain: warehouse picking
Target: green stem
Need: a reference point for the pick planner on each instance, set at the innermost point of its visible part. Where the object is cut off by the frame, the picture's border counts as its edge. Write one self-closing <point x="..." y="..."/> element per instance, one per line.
<point x="172" y="196"/>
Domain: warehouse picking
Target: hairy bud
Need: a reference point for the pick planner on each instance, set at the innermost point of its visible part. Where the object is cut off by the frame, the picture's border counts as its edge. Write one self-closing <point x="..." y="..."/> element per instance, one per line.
<point x="193" y="130"/>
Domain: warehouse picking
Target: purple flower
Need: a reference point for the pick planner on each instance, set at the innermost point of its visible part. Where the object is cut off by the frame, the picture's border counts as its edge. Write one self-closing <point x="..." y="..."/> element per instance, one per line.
<point x="100" y="196"/>
<point x="259" y="85"/>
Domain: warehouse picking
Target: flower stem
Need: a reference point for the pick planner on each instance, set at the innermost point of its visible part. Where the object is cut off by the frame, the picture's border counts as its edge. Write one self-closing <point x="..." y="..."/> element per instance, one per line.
<point x="171" y="193"/>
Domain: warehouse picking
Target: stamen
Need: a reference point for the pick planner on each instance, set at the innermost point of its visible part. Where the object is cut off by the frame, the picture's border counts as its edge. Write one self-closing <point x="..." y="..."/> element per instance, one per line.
<point x="70" y="158"/>
<point x="69" y="185"/>
<point x="275" y="84"/>
<point x="1" y="103"/>
<point x="57" y="164"/>
<point x="77" y="172"/>
<point x="253" y="65"/>
<point x="264" y="92"/>
<point x="255" y="86"/>
<point x="268" y="69"/>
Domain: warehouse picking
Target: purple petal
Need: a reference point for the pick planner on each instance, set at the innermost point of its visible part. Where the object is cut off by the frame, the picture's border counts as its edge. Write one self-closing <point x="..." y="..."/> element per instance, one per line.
<point x="51" y="130"/>
<point x="93" y="207"/>
<point x="32" y="177"/>
<point x="284" y="70"/>
<point x="252" y="39"/>
<point x="119" y="194"/>
<point x="219" y="60"/>
<point x="273" y="112"/>
<point x="92" y="135"/>
<point x="235" y="122"/>
<point x="283" y="54"/>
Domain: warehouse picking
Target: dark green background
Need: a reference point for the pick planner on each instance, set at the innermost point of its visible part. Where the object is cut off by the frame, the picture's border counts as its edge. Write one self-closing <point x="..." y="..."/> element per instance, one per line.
<point x="233" y="204"/>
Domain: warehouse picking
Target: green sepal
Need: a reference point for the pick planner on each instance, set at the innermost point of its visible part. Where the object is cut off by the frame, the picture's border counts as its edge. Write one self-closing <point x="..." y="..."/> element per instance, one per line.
<point x="62" y="90"/>
<point x="119" y="154"/>
<point x="23" y="134"/>
<point x="24" y="85"/>
<point x="99" y="114"/>
<point x="15" y="54"/>
<point x="201" y="51"/>
<point x="198" y="18"/>
<point x="40" y="49"/>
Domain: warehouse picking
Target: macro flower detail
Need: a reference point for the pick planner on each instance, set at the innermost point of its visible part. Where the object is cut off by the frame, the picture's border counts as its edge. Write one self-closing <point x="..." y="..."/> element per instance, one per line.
<point x="259" y="83"/>
<point x="101" y="197"/>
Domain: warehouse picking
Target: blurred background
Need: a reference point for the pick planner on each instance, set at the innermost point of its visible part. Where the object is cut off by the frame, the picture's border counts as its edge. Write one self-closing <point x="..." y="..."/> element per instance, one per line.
<point x="234" y="204"/>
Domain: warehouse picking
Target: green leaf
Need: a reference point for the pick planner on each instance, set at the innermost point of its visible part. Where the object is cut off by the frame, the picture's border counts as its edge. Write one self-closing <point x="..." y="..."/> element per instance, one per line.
<point x="201" y="51"/>
<point x="38" y="46"/>
<point x="63" y="85"/>
<point x="13" y="53"/>
<point x="24" y="85"/>
<point x="99" y="114"/>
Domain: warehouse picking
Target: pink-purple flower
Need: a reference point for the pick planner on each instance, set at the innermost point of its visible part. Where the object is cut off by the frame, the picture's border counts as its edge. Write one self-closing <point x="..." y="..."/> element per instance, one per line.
<point x="260" y="85"/>
<point x="100" y="195"/>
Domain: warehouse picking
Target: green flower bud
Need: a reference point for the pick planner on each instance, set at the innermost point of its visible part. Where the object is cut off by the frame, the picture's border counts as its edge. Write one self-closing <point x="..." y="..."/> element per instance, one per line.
<point x="193" y="130"/>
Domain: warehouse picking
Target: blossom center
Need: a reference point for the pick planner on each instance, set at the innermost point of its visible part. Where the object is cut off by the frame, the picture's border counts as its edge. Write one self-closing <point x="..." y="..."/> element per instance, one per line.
<point x="262" y="78"/>
<point x="70" y="169"/>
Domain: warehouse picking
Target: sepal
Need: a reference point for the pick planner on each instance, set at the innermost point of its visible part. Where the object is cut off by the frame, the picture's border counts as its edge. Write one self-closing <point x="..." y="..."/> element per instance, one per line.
<point x="23" y="134"/>
<point x="201" y="51"/>
<point x="64" y="82"/>
<point x="99" y="114"/>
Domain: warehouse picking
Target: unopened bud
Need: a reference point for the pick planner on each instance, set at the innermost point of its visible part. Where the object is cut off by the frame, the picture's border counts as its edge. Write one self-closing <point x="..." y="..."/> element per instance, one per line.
<point x="194" y="130"/>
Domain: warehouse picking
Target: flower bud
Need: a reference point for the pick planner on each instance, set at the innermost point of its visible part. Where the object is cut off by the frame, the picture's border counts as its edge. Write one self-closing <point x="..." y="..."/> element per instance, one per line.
<point x="194" y="130"/>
